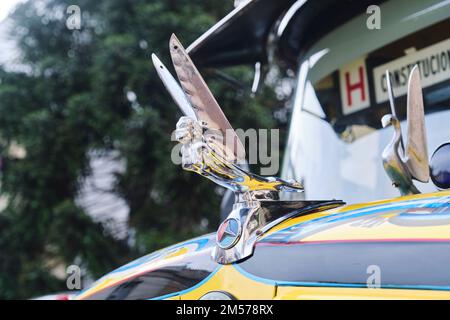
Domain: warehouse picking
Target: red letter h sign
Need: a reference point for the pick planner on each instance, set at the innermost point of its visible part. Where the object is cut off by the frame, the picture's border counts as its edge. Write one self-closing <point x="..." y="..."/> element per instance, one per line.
<point x="354" y="89"/>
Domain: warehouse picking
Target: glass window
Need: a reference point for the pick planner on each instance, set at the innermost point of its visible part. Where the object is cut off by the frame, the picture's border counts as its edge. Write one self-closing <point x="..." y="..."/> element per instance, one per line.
<point x="354" y="97"/>
<point x="153" y="284"/>
<point x="169" y="278"/>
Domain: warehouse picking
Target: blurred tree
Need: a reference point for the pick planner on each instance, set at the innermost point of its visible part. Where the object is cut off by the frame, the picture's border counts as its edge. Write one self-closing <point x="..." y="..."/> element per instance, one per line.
<point x="95" y="88"/>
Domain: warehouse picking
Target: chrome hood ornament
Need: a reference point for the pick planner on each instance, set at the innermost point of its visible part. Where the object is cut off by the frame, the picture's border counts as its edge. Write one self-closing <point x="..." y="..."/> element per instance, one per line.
<point x="211" y="148"/>
<point x="401" y="164"/>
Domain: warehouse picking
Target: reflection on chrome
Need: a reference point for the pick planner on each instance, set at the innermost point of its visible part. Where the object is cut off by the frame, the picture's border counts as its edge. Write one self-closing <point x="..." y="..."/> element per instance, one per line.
<point x="206" y="150"/>
<point x="401" y="164"/>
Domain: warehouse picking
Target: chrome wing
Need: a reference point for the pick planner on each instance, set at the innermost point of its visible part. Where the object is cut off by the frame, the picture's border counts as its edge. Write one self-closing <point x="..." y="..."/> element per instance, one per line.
<point x="174" y="88"/>
<point x="401" y="164"/>
<point x="202" y="100"/>
<point x="416" y="153"/>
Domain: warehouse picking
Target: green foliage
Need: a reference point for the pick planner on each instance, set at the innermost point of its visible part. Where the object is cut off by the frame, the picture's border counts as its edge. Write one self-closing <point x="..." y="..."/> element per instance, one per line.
<point x="74" y="99"/>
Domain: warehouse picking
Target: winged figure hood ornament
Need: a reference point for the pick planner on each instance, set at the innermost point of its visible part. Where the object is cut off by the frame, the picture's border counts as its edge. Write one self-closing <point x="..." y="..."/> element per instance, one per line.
<point x="403" y="164"/>
<point x="206" y="128"/>
<point x="211" y="148"/>
<point x="203" y="102"/>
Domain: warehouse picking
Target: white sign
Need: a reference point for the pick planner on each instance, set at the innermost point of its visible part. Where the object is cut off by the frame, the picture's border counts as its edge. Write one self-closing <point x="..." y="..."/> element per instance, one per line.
<point x="434" y="66"/>
<point x="354" y="86"/>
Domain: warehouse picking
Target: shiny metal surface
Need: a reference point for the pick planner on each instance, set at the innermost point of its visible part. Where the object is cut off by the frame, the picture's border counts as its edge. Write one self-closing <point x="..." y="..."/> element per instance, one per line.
<point x="202" y="152"/>
<point x="205" y="143"/>
<point x="258" y="217"/>
<point x="393" y="163"/>
<point x="206" y="150"/>
<point x="401" y="164"/>
<point x="217" y="295"/>
<point x="203" y="101"/>
<point x="416" y="145"/>
<point x="173" y="87"/>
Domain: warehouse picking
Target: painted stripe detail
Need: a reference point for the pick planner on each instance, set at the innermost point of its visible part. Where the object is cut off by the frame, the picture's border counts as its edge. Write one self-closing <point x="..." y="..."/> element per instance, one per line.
<point x="269" y="244"/>
<point x="333" y="285"/>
